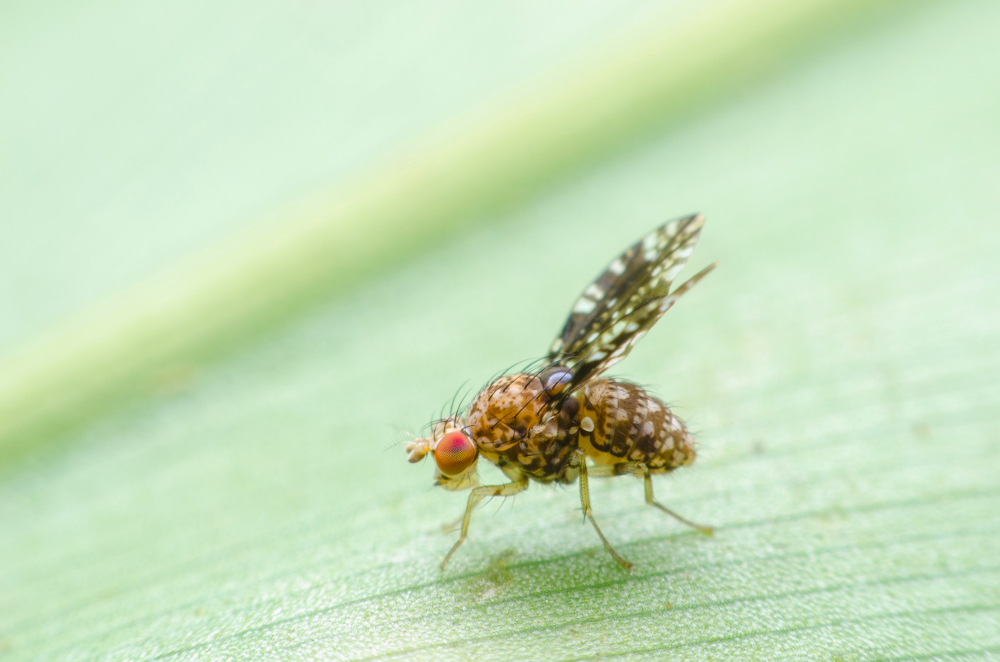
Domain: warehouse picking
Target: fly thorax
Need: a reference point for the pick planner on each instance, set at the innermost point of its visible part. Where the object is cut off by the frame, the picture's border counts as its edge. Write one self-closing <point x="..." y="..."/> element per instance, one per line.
<point x="512" y="409"/>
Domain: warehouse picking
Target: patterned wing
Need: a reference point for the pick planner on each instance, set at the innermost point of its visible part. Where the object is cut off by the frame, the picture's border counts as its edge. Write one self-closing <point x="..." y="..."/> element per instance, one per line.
<point x="625" y="301"/>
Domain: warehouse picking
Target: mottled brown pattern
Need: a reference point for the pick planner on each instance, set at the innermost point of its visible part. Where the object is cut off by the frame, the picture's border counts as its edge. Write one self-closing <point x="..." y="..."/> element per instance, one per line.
<point x="630" y="425"/>
<point x="514" y="423"/>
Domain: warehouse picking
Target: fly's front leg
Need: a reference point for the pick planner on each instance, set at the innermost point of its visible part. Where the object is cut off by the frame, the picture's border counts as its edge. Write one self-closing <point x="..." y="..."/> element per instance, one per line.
<point x="653" y="502"/>
<point x="585" y="502"/>
<point x="451" y="525"/>
<point x="477" y="494"/>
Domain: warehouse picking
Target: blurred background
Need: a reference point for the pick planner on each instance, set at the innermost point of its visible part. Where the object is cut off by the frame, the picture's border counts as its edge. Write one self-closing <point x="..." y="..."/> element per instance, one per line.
<point x="247" y="250"/>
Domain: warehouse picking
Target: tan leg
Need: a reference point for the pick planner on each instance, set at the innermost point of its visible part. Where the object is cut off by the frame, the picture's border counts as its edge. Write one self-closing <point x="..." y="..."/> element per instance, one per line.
<point x="585" y="502"/>
<point x="629" y="468"/>
<point x="451" y="524"/>
<point x="653" y="502"/>
<point x="474" y="498"/>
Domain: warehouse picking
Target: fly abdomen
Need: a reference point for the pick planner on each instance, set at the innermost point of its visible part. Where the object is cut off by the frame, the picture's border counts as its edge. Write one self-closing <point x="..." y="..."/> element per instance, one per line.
<point x="620" y="422"/>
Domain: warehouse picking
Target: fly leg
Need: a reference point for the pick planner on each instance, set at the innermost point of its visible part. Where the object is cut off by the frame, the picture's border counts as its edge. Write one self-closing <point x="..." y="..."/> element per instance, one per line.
<point x="653" y="502"/>
<point x="474" y="498"/>
<point x="451" y="525"/>
<point x="585" y="502"/>
<point x="634" y="468"/>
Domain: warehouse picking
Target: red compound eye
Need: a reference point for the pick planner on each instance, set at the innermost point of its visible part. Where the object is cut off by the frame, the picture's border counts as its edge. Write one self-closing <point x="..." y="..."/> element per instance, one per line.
<point x="454" y="453"/>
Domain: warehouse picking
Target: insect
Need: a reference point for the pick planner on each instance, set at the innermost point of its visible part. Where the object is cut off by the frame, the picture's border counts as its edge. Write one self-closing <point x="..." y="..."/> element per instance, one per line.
<point x="545" y="423"/>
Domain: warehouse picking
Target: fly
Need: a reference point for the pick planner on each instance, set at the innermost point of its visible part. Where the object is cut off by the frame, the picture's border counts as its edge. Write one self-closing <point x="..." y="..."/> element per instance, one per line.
<point x="544" y="424"/>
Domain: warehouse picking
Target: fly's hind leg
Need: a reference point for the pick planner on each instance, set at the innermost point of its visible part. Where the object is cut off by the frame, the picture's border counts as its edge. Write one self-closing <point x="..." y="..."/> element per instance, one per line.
<point x="477" y="494"/>
<point x="585" y="502"/>
<point x="635" y="468"/>
<point x="653" y="502"/>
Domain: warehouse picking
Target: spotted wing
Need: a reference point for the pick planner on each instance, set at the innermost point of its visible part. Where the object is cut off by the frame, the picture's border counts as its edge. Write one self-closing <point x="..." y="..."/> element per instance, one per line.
<point x="626" y="300"/>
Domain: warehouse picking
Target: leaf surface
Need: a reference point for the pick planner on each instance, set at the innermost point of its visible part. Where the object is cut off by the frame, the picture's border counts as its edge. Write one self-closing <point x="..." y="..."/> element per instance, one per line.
<point x="840" y="368"/>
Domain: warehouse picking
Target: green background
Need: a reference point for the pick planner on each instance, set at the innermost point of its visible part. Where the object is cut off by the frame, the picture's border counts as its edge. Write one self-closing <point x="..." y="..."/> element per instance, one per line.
<point x="250" y="498"/>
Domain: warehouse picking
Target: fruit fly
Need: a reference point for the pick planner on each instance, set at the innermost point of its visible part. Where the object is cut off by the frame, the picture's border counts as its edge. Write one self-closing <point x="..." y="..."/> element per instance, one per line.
<point x="544" y="424"/>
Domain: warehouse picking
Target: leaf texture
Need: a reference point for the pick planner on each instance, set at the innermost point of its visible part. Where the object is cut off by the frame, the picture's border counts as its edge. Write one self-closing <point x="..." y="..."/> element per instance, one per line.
<point x="840" y="368"/>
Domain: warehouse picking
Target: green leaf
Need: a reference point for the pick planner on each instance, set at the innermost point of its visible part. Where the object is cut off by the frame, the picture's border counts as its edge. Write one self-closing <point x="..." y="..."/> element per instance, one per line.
<point x="840" y="368"/>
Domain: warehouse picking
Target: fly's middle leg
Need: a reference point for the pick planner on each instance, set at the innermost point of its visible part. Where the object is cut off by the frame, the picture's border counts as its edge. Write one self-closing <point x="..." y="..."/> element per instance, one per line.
<point x="585" y="502"/>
